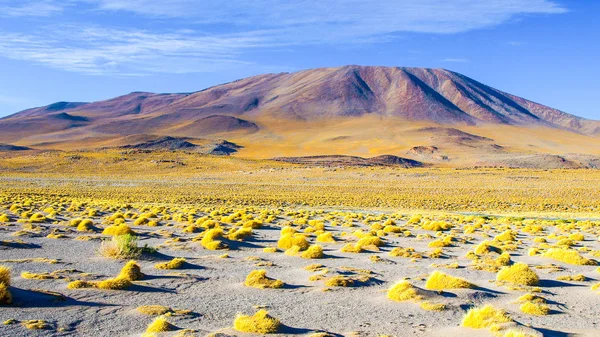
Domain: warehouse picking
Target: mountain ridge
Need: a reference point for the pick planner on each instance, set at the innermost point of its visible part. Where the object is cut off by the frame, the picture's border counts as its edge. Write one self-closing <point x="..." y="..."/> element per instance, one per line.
<point x="423" y="94"/>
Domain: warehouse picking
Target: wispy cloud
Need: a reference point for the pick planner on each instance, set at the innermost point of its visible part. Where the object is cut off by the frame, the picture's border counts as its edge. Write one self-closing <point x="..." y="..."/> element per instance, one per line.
<point x="36" y="8"/>
<point x="455" y="60"/>
<point x="210" y="35"/>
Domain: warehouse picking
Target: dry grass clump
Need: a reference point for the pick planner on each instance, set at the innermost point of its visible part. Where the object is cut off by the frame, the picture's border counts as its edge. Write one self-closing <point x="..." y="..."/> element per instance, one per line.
<point x="86" y="225"/>
<point x="176" y="263"/>
<point x="261" y="323"/>
<point x="111" y="284"/>
<point x="516" y="333"/>
<point x="339" y="281"/>
<point x="518" y="274"/>
<point x="436" y="226"/>
<point x="5" y="295"/>
<point x="5" y="275"/>
<point x="37" y="217"/>
<point x="440" y="281"/>
<point x="258" y="279"/>
<point x="131" y="271"/>
<point x="120" y="229"/>
<point x="578" y="278"/>
<point x="209" y="239"/>
<point x="313" y="252"/>
<point x="160" y="324"/>
<point x="288" y="240"/>
<point x="154" y="310"/>
<point x="535" y="308"/>
<point x="405" y="252"/>
<point x="485" y="317"/>
<point x="403" y="291"/>
<point x="325" y="238"/>
<point x="120" y="247"/>
<point x="432" y="306"/>
<point x="36" y="324"/>
<point x="351" y="248"/>
<point x="569" y="256"/>
<point x="486" y="247"/>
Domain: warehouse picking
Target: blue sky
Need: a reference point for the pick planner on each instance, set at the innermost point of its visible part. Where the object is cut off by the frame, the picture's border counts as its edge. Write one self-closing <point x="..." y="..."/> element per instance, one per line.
<point x="87" y="50"/>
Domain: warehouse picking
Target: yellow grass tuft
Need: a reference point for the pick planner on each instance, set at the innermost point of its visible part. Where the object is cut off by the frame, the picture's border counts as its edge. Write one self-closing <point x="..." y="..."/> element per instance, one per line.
<point x="5" y="275"/>
<point x="313" y="252"/>
<point x="153" y="310"/>
<point x="131" y="271"/>
<point x="261" y="323"/>
<point x="432" y="306"/>
<point x="535" y="308"/>
<point x="258" y="279"/>
<point x="440" y="281"/>
<point x="325" y="238"/>
<point x="113" y="284"/>
<point x="120" y="229"/>
<point x="176" y="263"/>
<point x="403" y="291"/>
<point x="569" y="256"/>
<point x="160" y="324"/>
<point x="518" y="274"/>
<point x="484" y="317"/>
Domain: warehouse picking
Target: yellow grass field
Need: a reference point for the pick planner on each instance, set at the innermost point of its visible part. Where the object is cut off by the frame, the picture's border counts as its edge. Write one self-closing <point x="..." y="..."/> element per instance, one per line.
<point x="177" y="244"/>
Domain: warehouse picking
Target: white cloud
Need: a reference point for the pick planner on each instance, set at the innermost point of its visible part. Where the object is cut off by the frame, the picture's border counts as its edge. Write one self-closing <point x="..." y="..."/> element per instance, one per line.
<point x="36" y="8"/>
<point x="455" y="60"/>
<point x="191" y="43"/>
<point x="96" y="50"/>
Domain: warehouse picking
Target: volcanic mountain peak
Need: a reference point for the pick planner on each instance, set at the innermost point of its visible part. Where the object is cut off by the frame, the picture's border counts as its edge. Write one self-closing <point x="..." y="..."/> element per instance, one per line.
<point x="345" y="110"/>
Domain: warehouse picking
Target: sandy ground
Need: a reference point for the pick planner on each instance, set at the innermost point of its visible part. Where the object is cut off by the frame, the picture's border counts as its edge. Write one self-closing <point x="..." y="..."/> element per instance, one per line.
<point x="212" y="288"/>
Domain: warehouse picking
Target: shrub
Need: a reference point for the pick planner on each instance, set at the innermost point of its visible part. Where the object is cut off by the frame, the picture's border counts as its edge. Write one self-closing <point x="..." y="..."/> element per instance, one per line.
<point x="131" y="272"/>
<point x="403" y="291"/>
<point x="261" y="323"/>
<point x="120" y="229"/>
<point x="79" y="284"/>
<point x="160" y="324"/>
<point x="4" y="275"/>
<point x="258" y="279"/>
<point x="120" y="247"/>
<point x="485" y="247"/>
<point x="436" y="226"/>
<point x="578" y="277"/>
<point x="209" y="240"/>
<point x="535" y="308"/>
<point x="567" y="255"/>
<point x="440" y="281"/>
<point x="86" y="225"/>
<point x="289" y="240"/>
<point x="339" y="281"/>
<point x="37" y="217"/>
<point x="113" y="284"/>
<point x="506" y="236"/>
<point x="176" y="263"/>
<point x="313" y="252"/>
<point x="370" y="240"/>
<point x="325" y="237"/>
<point x="5" y="295"/>
<point x="484" y="317"/>
<point x="351" y="248"/>
<point x="518" y="274"/>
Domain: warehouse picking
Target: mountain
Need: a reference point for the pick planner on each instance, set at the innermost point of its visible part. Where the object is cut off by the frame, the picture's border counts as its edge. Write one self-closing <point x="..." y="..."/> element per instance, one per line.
<point x="327" y="106"/>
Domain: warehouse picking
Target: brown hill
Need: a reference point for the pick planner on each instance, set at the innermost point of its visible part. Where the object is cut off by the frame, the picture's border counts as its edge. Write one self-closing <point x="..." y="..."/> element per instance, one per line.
<point x="352" y="110"/>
